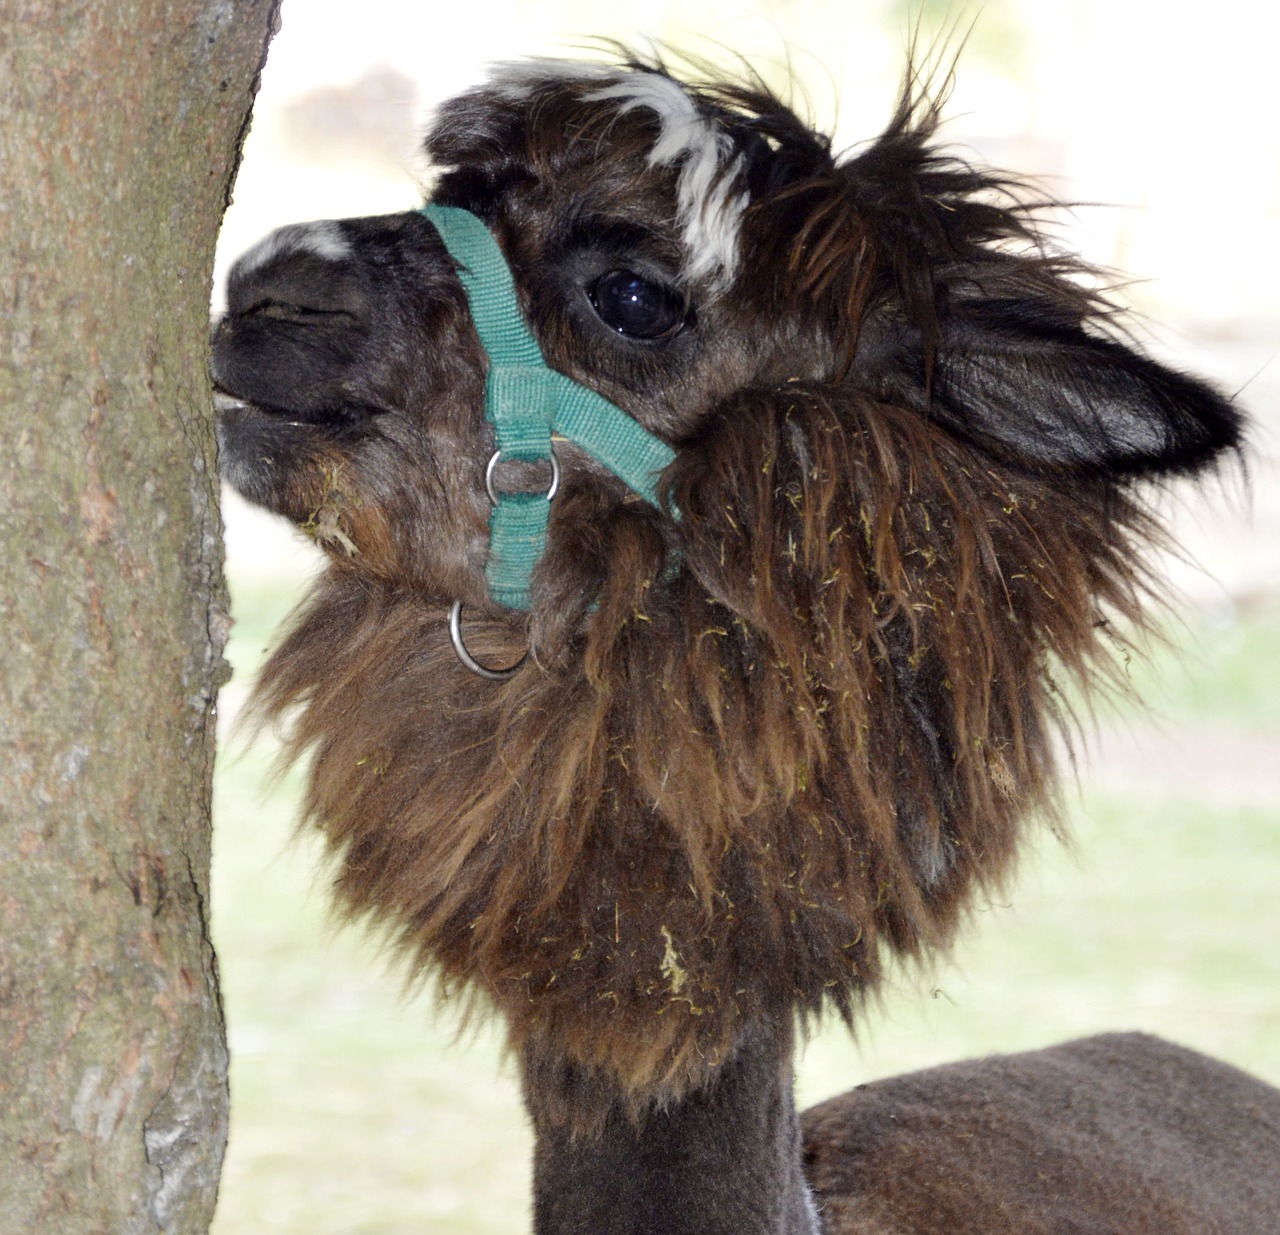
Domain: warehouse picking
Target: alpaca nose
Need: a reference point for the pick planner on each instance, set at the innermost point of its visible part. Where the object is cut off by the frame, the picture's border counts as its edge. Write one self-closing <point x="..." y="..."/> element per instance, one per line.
<point x="299" y="273"/>
<point x="299" y="304"/>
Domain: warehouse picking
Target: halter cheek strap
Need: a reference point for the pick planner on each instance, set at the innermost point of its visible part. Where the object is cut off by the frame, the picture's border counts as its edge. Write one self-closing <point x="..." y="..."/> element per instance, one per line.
<point x="527" y="402"/>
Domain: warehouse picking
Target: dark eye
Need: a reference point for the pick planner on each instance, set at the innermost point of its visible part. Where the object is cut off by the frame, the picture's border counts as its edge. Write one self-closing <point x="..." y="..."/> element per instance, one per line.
<point x="637" y="307"/>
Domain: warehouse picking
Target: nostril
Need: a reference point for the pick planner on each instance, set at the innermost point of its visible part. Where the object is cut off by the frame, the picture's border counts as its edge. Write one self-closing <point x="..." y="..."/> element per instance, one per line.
<point x="291" y="311"/>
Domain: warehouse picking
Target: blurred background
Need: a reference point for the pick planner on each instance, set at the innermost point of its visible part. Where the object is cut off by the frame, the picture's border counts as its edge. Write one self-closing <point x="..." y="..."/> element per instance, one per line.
<point x="357" y="1110"/>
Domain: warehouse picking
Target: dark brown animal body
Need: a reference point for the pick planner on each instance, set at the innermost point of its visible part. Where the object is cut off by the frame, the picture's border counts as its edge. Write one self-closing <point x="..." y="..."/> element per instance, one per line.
<point x="787" y="720"/>
<point x="1121" y="1133"/>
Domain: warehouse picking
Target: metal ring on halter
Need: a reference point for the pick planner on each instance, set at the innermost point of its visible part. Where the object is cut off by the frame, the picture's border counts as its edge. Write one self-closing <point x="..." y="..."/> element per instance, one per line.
<point x="493" y="463"/>
<point x="460" y="648"/>
<point x="455" y="614"/>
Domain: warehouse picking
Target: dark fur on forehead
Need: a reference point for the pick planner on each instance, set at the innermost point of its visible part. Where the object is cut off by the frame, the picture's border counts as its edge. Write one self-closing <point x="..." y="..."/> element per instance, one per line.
<point x="756" y="752"/>
<point x="503" y="134"/>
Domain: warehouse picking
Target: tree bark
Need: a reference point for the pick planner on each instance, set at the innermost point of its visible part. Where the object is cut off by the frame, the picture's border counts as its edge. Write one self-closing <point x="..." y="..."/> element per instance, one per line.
<point x="120" y="128"/>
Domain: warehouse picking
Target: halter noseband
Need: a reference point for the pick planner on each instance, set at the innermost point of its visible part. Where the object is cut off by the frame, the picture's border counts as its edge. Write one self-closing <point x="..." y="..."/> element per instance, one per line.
<point x="526" y="402"/>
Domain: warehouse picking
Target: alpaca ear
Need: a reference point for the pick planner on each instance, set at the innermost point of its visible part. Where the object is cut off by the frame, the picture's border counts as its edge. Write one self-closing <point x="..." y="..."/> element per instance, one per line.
<point x="1029" y="381"/>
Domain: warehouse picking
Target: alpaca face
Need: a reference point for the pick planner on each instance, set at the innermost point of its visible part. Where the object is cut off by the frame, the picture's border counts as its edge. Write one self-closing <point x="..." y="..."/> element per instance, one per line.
<point x="755" y="747"/>
<point x="349" y="365"/>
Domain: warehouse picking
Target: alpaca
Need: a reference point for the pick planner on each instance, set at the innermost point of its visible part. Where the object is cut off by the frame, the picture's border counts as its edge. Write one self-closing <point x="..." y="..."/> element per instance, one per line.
<point x="845" y="467"/>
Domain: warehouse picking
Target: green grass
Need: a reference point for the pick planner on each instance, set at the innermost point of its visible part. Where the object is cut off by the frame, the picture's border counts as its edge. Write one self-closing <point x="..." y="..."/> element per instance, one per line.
<point x="352" y="1110"/>
<point x="355" y="1111"/>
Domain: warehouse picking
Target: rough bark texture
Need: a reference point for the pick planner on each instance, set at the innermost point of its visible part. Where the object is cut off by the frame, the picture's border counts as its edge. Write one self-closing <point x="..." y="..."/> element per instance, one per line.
<point x="120" y="125"/>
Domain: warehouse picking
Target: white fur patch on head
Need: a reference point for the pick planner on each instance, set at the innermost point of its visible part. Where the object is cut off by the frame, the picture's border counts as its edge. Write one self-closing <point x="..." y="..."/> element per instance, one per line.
<point x="323" y="238"/>
<point x="708" y="205"/>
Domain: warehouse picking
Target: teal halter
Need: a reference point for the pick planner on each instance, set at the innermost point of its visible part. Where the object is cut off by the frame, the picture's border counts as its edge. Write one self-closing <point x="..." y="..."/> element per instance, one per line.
<point x="526" y="402"/>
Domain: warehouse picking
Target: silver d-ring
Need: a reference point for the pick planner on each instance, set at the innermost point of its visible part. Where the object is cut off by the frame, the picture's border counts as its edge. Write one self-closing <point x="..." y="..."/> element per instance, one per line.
<point x="460" y="648"/>
<point x="493" y="463"/>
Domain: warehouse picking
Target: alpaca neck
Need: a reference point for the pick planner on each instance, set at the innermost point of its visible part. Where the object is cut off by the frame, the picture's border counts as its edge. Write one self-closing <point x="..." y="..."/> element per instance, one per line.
<point x="724" y="1160"/>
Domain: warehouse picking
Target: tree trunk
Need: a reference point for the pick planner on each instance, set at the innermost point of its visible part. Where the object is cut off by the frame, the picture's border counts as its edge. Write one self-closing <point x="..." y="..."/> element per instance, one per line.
<point x="120" y="127"/>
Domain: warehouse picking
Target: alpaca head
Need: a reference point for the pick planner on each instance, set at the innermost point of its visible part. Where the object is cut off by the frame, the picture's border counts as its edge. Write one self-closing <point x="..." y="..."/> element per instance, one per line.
<point x="784" y="716"/>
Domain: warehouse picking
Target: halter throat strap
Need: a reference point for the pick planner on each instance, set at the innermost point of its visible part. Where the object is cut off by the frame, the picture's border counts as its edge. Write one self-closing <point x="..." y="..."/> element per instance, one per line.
<point x="526" y="402"/>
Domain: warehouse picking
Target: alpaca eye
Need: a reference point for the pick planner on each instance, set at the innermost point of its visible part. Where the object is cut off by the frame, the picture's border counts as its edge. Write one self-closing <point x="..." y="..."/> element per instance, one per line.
<point x="635" y="306"/>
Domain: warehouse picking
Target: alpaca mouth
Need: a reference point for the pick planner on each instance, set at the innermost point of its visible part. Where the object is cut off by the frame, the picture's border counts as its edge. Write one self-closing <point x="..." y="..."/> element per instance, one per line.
<point x="348" y="416"/>
<point x="224" y="402"/>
